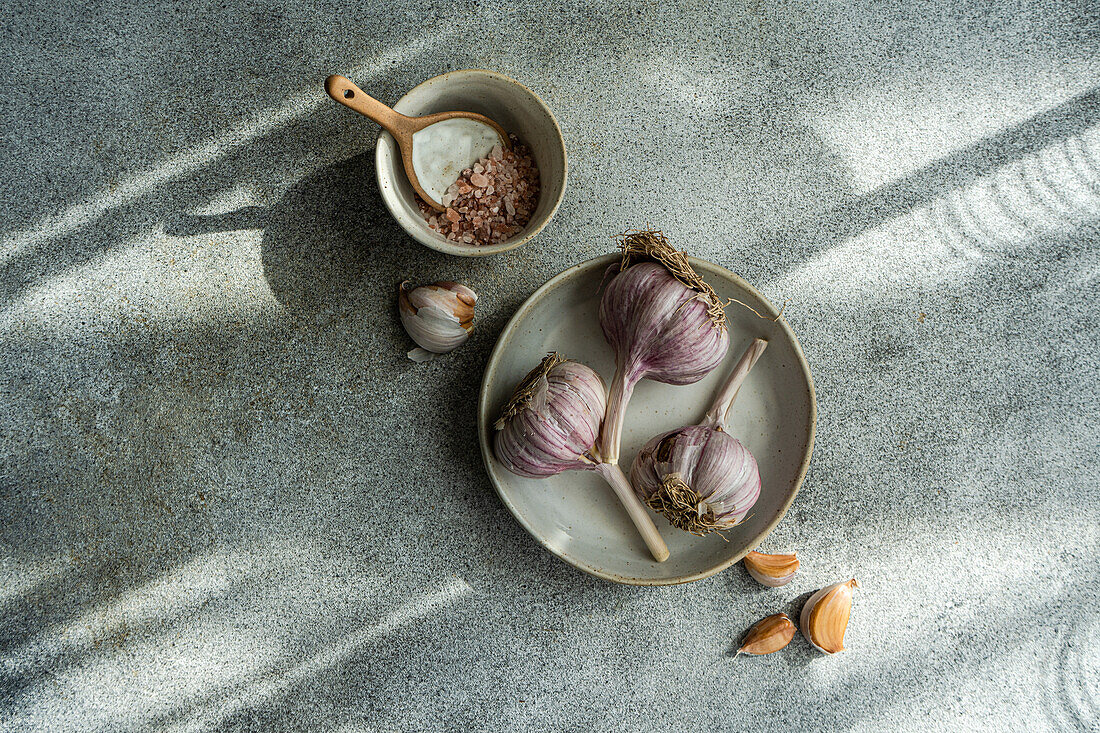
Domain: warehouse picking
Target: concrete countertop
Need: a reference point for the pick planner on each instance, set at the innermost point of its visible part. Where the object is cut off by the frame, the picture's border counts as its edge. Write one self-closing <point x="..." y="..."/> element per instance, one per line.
<point x="228" y="500"/>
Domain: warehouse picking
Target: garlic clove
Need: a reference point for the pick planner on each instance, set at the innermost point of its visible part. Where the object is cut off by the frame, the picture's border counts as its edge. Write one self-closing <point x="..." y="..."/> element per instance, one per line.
<point x="768" y="635"/>
<point x="771" y="570"/>
<point x="438" y="317"/>
<point x="824" y="618"/>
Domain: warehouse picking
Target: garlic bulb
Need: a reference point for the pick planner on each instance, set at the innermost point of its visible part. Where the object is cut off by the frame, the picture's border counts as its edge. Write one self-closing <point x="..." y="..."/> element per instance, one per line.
<point x="699" y="477"/>
<point x="663" y="322"/>
<point x="768" y="635"/>
<point x="438" y="317"/>
<point x="824" y="618"/>
<point x="771" y="570"/>
<point x="551" y="424"/>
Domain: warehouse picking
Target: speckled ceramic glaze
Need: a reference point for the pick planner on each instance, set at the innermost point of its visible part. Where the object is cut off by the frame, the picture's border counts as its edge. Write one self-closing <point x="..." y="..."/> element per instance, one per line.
<point x="575" y="515"/>
<point x="515" y="108"/>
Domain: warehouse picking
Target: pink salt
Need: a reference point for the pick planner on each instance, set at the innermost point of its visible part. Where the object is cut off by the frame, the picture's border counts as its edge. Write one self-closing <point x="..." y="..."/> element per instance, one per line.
<point x="491" y="201"/>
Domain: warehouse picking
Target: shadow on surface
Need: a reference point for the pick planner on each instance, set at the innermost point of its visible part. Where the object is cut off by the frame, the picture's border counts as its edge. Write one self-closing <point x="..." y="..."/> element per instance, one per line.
<point x="324" y="238"/>
<point x="231" y="431"/>
<point x="957" y="170"/>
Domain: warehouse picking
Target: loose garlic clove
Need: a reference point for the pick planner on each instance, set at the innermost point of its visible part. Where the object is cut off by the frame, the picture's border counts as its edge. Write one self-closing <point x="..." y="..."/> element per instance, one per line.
<point x="768" y="635"/>
<point x="824" y="618"/>
<point x="771" y="570"/>
<point x="438" y="317"/>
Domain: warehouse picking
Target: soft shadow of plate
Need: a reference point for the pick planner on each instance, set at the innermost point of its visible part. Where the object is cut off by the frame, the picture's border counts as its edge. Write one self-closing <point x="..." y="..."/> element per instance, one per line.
<point x="574" y="514"/>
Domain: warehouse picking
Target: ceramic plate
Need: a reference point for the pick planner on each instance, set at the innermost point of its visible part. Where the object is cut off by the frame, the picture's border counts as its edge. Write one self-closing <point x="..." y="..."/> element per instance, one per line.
<point x="575" y="515"/>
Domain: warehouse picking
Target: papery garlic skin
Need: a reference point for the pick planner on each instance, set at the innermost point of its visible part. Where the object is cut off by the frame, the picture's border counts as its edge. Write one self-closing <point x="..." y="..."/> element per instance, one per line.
<point x="438" y="317"/>
<point x="824" y="618"/>
<point x="771" y="570"/>
<point x="768" y="635"/>
<point x="702" y="480"/>
<point x="551" y="424"/>
<point x="660" y="327"/>
<point x="662" y="321"/>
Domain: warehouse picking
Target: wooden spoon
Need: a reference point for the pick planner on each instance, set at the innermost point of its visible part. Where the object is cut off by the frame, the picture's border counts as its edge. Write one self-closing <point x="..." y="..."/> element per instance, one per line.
<point x="442" y="164"/>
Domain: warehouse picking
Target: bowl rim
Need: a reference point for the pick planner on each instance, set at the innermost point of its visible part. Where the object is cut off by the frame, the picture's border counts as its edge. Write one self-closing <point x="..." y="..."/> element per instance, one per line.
<point x="484" y="420"/>
<point x="422" y="235"/>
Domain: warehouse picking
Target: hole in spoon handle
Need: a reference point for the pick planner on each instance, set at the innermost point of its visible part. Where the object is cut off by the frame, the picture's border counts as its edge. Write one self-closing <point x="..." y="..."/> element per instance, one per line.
<point x="345" y="92"/>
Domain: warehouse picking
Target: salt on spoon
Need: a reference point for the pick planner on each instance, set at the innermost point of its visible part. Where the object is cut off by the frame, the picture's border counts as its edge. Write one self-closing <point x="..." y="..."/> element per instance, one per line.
<point x="436" y="148"/>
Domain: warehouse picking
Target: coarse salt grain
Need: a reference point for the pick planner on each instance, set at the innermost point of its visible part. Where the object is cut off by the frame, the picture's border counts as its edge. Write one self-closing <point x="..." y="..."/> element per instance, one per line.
<point x="474" y="213"/>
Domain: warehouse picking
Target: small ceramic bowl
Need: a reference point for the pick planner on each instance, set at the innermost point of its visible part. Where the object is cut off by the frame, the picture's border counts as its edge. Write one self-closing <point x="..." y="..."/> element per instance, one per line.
<point x="517" y="109"/>
<point x="574" y="514"/>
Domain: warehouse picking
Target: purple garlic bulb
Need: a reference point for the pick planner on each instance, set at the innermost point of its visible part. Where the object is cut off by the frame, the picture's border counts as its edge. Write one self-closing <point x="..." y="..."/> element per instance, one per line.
<point x="552" y="421"/>
<point x="700" y="477"/>
<point x="551" y="424"/>
<point x="662" y="321"/>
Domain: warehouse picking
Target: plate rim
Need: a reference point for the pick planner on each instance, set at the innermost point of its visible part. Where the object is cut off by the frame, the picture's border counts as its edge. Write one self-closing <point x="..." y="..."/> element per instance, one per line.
<point x="483" y="420"/>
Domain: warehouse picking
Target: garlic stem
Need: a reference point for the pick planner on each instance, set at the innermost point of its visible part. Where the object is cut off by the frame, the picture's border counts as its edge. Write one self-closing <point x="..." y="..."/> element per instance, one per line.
<point x="622" y="387"/>
<point x="723" y="401"/>
<point x="618" y="481"/>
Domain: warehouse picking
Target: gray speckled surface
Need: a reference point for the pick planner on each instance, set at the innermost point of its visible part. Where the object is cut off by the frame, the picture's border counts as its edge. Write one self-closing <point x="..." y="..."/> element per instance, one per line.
<point x="230" y="501"/>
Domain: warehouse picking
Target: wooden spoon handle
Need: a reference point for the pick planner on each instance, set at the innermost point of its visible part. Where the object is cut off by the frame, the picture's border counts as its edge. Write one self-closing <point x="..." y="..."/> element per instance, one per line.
<point x="346" y="93"/>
